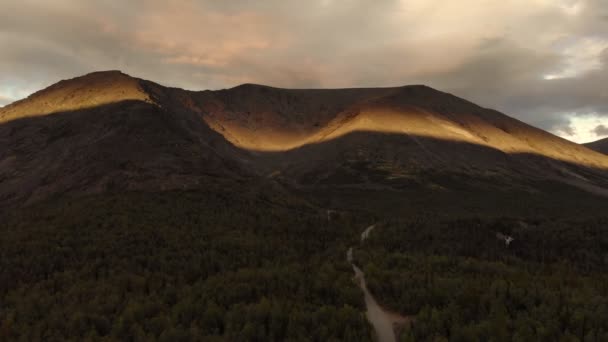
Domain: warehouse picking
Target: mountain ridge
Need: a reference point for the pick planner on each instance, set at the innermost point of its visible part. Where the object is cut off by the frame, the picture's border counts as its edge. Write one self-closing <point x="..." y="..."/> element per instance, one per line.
<point x="599" y="145"/>
<point x="108" y="130"/>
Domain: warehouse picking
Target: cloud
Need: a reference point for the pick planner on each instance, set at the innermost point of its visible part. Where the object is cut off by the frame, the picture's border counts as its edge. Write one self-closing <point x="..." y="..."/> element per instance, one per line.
<point x="600" y="130"/>
<point x="4" y="100"/>
<point x="542" y="61"/>
<point x="567" y="130"/>
<point x="582" y="128"/>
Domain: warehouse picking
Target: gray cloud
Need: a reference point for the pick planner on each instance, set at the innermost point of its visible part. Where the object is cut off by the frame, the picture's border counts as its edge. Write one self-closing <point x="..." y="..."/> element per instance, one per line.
<point x="540" y="61"/>
<point x="600" y="130"/>
<point x="567" y="130"/>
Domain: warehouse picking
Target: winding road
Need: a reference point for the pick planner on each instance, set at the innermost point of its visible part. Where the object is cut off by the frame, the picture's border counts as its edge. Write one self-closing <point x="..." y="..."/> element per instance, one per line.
<point x="382" y="321"/>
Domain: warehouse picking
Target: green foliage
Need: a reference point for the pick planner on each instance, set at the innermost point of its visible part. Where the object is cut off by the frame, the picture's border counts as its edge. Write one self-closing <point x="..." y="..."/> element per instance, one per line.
<point x="462" y="283"/>
<point x="178" y="267"/>
<point x="182" y="266"/>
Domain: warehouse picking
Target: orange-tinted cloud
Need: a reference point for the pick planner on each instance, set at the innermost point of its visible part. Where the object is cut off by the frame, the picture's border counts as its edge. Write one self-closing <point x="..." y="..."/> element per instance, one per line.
<point x="5" y="100"/>
<point x="495" y="53"/>
<point x="186" y="33"/>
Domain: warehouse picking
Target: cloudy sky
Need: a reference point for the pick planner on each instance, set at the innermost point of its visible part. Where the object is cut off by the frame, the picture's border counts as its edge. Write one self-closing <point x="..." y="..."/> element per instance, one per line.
<point x="542" y="61"/>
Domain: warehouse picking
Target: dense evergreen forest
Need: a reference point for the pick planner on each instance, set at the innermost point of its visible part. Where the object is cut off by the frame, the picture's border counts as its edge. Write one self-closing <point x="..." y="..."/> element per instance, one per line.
<point x="460" y="281"/>
<point x="185" y="266"/>
<point x="178" y="267"/>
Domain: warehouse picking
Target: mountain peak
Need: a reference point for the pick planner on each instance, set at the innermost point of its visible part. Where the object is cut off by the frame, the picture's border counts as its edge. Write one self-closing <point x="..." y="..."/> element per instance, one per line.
<point x="103" y="75"/>
<point x="377" y="138"/>
<point x="106" y="72"/>
<point x="251" y="85"/>
<point x="91" y="90"/>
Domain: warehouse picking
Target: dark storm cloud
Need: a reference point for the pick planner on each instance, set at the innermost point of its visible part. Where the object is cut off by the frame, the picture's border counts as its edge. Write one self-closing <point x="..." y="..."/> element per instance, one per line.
<point x="539" y="60"/>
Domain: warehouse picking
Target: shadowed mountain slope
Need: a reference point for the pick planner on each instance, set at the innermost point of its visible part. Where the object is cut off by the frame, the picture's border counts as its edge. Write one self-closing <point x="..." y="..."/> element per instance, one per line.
<point x="599" y="145"/>
<point x="65" y="139"/>
<point x="107" y="131"/>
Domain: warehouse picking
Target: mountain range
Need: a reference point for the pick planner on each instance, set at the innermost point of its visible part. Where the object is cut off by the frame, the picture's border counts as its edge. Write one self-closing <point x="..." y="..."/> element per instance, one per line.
<point x="134" y="211"/>
<point x="108" y="132"/>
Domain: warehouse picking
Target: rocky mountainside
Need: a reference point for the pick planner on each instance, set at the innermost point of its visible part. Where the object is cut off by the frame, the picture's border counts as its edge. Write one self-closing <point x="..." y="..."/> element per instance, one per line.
<point x="107" y="131"/>
<point x="100" y="133"/>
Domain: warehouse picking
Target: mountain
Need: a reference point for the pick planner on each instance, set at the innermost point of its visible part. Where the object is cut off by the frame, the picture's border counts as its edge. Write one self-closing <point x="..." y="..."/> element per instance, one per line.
<point x="110" y="132"/>
<point x="599" y="145"/>
<point x="101" y="132"/>
<point x="134" y="211"/>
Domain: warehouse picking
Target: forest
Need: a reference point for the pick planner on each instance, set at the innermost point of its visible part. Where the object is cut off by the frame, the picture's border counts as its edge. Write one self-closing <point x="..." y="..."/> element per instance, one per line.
<point x="188" y="266"/>
<point x="460" y="281"/>
<point x="178" y="267"/>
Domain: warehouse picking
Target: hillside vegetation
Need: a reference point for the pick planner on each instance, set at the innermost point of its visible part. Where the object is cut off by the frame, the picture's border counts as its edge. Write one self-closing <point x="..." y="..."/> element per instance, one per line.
<point x="462" y="282"/>
<point x="177" y="267"/>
